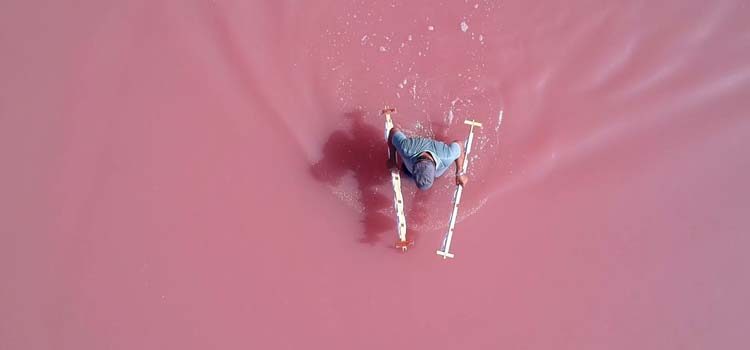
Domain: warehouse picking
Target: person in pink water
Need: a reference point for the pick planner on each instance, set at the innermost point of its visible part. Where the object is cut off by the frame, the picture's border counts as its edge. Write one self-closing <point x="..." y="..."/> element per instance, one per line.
<point x="424" y="159"/>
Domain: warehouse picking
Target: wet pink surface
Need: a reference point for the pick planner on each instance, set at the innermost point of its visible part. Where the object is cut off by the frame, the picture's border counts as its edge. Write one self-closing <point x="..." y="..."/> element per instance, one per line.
<point x="210" y="175"/>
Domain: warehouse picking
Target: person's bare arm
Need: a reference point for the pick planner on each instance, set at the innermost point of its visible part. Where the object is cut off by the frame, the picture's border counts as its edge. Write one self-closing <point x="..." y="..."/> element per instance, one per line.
<point x="461" y="178"/>
<point x="392" y="160"/>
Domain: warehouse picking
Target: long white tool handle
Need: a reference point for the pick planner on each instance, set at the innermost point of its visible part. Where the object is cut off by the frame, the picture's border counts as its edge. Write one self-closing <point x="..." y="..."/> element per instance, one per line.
<point x="444" y="250"/>
<point x="398" y="200"/>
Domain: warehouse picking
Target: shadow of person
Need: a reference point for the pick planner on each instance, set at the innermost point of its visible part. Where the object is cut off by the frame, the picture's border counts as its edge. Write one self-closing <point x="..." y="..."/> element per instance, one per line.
<point x="360" y="152"/>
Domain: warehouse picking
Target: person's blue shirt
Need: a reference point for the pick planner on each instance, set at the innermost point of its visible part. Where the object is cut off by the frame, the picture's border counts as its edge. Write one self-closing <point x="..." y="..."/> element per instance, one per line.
<point x="409" y="148"/>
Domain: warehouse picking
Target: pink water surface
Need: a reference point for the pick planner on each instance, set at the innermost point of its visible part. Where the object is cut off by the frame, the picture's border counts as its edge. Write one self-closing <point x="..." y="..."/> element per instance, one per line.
<point x="211" y="174"/>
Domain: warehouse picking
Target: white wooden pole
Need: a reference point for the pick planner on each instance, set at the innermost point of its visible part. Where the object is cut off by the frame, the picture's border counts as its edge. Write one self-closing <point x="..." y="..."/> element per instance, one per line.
<point x="398" y="199"/>
<point x="444" y="250"/>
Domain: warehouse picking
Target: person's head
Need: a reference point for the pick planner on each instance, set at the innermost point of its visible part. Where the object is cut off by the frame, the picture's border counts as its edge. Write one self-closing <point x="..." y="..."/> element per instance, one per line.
<point x="424" y="173"/>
